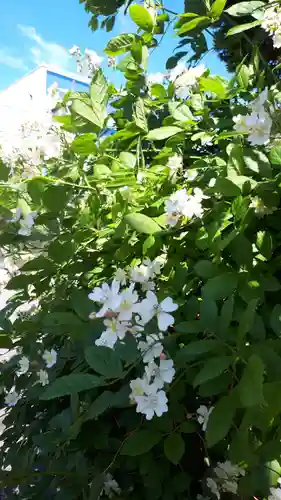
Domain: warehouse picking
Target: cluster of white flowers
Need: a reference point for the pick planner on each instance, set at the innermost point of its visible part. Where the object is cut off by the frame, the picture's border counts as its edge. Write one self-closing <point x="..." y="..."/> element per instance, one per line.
<point x="275" y="492"/>
<point x="181" y="204"/>
<point x="226" y="480"/>
<point x="86" y="64"/>
<point x="32" y="138"/>
<point x="204" y="415"/>
<point x="50" y="359"/>
<point x="26" y="221"/>
<point x="126" y="312"/>
<point x="272" y="22"/>
<point x="258" y="123"/>
<point x="185" y="78"/>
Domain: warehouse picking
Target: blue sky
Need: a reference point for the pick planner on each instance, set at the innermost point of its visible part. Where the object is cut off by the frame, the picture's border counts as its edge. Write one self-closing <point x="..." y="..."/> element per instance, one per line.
<point x="34" y="32"/>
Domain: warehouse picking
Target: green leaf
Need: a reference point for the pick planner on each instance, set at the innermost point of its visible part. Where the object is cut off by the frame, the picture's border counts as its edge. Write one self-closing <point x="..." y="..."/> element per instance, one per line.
<point x="257" y="162"/>
<point x="141" y="17"/>
<point x="221" y="286"/>
<point x="191" y="25"/>
<point x="101" y="171"/>
<point x="246" y="321"/>
<point x="142" y="223"/>
<point x="217" y="8"/>
<point x="188" y="427"/>
<point x="93" y="115"/>
<point x="55" y="198"/>
<point x="4" y="171"/>
<point x="275" y="319"/>
<point x="5" y="341"/>
<point x="226" y="315"/>
<point x="100" y="405"/>
<point x="99" y="89"/>
<point x="119" y="44"/>
<point x="243" y="27"/>
<point x="41" y="263"/>
<point x="212" y="368"/>
<point x="245" y="8"/>
<point x="139" y="115"/>
<point x="104" y="361"/>
<point x="205" y="269"/>
<point x="208" y="314"/>
<point x="250" y="387"/>
<point x="159" y="134"/>
<point x="180" y="111"/>
<point x="195" y="349"/>
<point x="69" y="384"/>
<point x="84" y="144"/>
<point x="275" y="155"/>
<point x="213" y="85"/>
<point x="140" y="442"/>
<point x="220" y="420"/>
<point x="128" y="159"/>
<point x="227" y="187"/>
<point x="174" y="448"/>
<point x="158" y="90"/>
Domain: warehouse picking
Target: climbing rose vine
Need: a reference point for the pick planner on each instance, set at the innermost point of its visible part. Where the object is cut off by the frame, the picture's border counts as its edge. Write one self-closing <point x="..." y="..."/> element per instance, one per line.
<point x="140" y="277"/>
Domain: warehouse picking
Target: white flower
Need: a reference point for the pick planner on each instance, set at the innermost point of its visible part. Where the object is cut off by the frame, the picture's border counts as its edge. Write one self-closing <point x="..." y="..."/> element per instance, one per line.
<point x="24" y="366"/>
<point x="153" y="78"/>
<point x="140" y="274"/>
<point x="260" y="209"/>
<point x="203" y="415"/>
<point x="164" y="373"/>
<point x="148" y="285"/>
<point x="186" y="80"/>
<point x="177" y="71"/>
<point x="150" y="349"/>
<point x="50" y="358"/>
<point x="141" y="386"/>
<point x="275" y="494"/>
<point x="175" y="206"/>
<point x="17" y="215"/>
<point x="226" y="470"/>
<point x="12" y="398"/>
<point x="211" y="483"/>
<point x="43" y="377"/>
<point x="152" y="404"/>
<point x="108" y="296"/>
<point x="272" y="22"/>
<point x="110" y="487"/>
<point x="175" y="163"/>
<point x="74" y="50"/>
<point x="149" y="307"/>
<point x="230" y="486"/>
<point x="258" y="104"/>
<point x="121" y="276"/>
<point x="26" y="223"/>
<point x="114" y="331"/>
<point x="93" y="57"/>
<point x="190" y="175"/>
<point x="257" y="124"/>
<point x="240" y="123"/>
<point x="129" y="298"/>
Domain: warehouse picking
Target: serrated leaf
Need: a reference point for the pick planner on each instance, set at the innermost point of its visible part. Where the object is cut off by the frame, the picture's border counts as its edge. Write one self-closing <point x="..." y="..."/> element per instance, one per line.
<point x="250" y="387"/>
<point x="140" y="442"/>
<point x="69" y="384"/>
<point x="142" y="223"/>
<point x="212" y="368"/>
<point x="104" y="361"/>
<point x="159" y="134"/>
<point x="174" y="447"/>
<point x="119" y="44"/>
<point x="243" y="27"/>
<point x="141" y="17"/>
<point x="220" y="420"/>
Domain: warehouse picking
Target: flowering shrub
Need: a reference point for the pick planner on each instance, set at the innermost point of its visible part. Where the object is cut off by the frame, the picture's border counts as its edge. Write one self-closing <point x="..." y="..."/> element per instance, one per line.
<point x="145" y="320"/>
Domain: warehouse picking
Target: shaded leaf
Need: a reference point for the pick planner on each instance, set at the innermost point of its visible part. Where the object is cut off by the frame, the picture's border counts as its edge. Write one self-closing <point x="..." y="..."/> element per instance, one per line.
<point x="69" y="384"/>
<point x="174" y="448"/>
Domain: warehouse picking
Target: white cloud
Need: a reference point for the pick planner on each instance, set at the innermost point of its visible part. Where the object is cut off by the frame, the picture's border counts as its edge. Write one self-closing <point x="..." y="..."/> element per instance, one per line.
<point x="12" y="61"/>
<point x="44" y="52"/>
